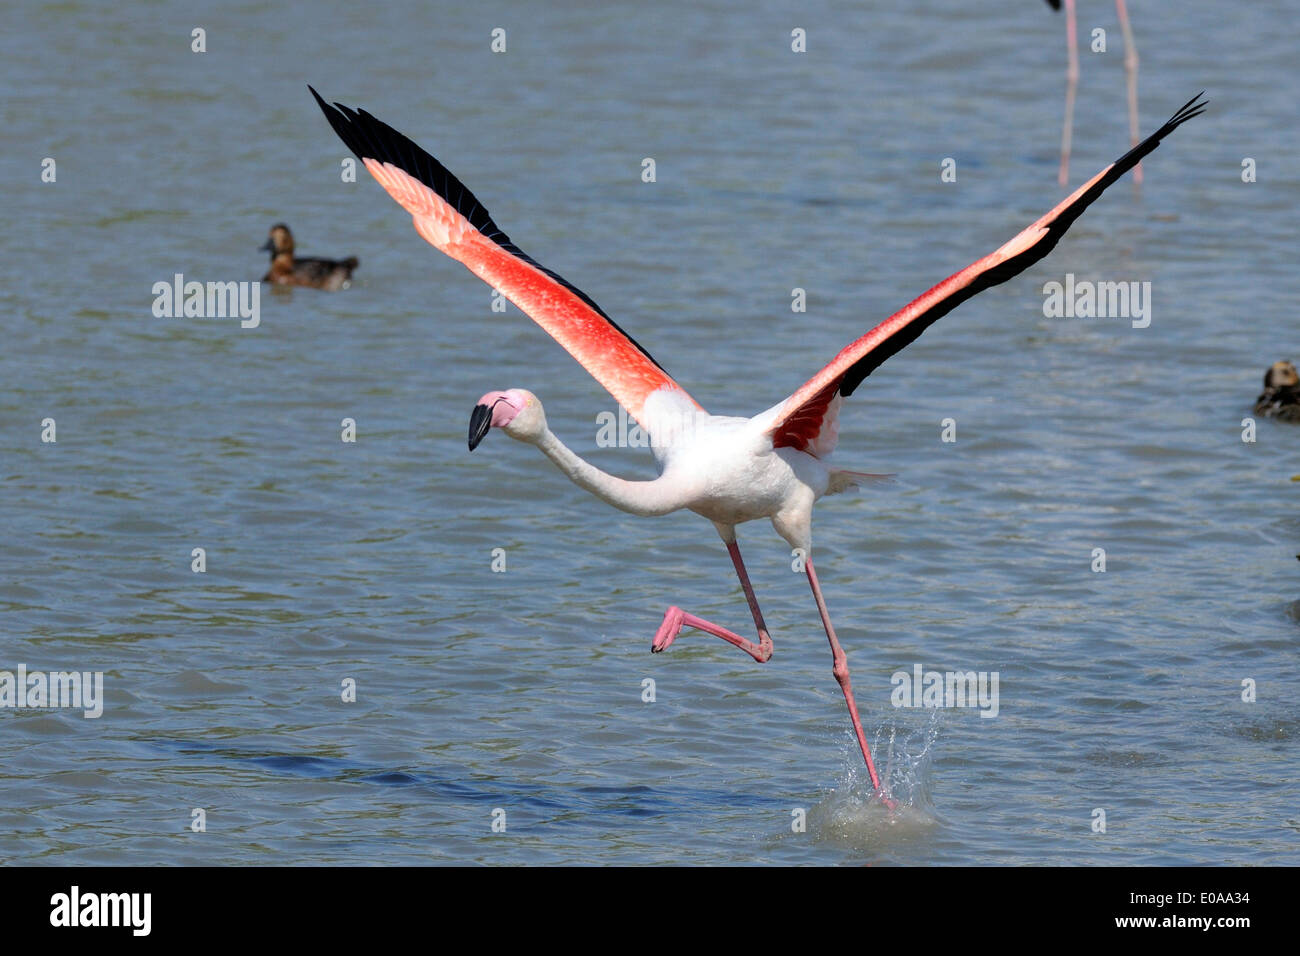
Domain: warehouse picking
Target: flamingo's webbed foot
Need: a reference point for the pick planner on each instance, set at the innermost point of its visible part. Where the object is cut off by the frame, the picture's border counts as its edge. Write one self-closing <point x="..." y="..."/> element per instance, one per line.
<point x="675" y="618"/>
<point x="668" y="630"/>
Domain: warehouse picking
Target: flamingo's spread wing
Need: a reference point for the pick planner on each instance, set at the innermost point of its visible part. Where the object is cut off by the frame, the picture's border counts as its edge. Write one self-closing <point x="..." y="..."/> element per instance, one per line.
<point x="449" y="217"/>
<point x="804" y="416"/>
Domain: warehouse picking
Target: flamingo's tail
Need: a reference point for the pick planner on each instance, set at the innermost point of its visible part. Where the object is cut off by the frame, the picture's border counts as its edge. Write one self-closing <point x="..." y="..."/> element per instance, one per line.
<point x="842" y="479"/>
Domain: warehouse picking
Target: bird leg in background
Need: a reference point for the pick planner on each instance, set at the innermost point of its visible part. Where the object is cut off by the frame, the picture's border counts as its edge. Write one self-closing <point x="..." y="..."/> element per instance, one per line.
<point x="1071" y="85"/>
<point x="675" y="618"/>
<point x="841" y="670"/>
<point x="1131" y="75"/>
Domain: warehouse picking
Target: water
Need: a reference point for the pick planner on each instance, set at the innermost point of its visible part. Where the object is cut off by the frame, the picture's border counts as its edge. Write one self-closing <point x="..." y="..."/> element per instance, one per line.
<point x="522" y="691"/>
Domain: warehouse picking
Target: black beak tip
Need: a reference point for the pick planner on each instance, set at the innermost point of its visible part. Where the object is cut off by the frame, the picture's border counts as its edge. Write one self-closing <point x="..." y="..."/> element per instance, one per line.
<point x="480" y="420"/>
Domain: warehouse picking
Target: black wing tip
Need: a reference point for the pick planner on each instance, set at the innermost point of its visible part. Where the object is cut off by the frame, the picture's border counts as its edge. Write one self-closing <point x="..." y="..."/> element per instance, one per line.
<point x="1193" y="107"/>
<point x="371" y="138"/>
<point x="856" y="373"/>
<point x="1189" y="110"/>
<point x="330" y="111"/>
<point x="342" y="120"/>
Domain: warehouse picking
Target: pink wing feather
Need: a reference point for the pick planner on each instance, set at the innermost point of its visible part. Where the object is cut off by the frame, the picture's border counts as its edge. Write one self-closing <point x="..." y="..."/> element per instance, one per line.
<point x="449" y="216"/>
<point x="811" y="409"/>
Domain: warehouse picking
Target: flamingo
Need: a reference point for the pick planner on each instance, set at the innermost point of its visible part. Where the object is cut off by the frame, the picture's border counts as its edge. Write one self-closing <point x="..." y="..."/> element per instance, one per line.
<point x="729" y="470"/>
<point x="1072" y="82"/>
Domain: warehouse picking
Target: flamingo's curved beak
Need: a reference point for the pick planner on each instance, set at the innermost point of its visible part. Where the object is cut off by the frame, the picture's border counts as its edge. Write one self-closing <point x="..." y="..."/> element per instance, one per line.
<point x="266" y="247"/>
<point x="480" y="420"/>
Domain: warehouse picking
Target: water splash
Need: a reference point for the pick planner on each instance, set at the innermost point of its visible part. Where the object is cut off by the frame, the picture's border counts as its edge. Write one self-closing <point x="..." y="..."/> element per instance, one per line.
<point x="852" y="815"/>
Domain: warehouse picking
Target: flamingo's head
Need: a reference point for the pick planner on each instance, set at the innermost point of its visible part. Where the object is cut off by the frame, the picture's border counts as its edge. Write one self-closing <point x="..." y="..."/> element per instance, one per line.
<point x="516" y="411"/>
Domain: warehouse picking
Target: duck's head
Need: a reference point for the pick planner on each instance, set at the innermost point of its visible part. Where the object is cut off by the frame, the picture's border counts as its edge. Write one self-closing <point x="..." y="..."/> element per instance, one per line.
<point x="1281" y="375"/>
<point x="279" y="241"/>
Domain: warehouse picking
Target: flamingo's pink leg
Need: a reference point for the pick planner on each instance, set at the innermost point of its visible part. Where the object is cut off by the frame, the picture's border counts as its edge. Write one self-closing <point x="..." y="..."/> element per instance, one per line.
<point x="675" y="618"/>
<point x="1130" y="73"/>
<point x="841" y="670"/>
<point x="1071" y="84"/>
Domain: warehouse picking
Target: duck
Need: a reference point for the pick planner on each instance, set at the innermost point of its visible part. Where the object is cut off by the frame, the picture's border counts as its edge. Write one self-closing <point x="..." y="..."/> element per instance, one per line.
<point x="330" y="274"/>
<point x="1281" y="396"/>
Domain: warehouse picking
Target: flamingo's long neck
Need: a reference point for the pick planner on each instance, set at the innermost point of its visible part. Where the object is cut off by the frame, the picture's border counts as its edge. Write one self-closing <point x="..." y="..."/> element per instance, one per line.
<point x="656" y="497"/>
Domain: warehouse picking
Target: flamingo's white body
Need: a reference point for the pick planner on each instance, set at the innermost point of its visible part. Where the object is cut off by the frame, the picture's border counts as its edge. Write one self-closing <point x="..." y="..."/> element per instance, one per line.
<point x="729" y="470"/>
<point x="722" y="467"/>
